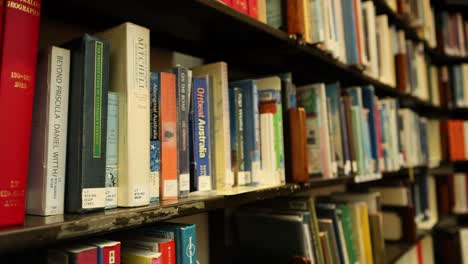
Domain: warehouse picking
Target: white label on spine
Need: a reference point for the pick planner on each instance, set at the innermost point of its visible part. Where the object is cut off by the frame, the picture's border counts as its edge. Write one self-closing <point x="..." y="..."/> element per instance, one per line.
<point x="354" y="166"/>
<point x="204" y="183"/>
<point x="184" y="182"/>
<point x="241" y="176"/>
<point x="170" y="188"/>
<point x="111" y="197"/>
<point x="347" y="167"/>
<point x="140" y="194"/>
<point x="154" y="186"/>
<point x="93" y="198"/>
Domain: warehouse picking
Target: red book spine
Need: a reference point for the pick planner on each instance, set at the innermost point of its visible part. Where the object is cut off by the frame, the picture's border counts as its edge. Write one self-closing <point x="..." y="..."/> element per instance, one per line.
<point x="19" y="35"/>
<point x="111" y="254"/>
<point x="168" y="134"/>
<point x="168" y="252"/>
<point x="452" y="140"/>
<point x="358" y="29"/>
<point x="420" y="253"/>
<point x="240" y="5"/>
<point x="252" y="7"/>
<point x="461" y="140"/>
<point x="86" y="256"/>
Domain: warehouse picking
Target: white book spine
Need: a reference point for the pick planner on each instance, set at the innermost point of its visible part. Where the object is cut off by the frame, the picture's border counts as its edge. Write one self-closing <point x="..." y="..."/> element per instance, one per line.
<point x="130" y="57"/>
<point x="46" y="188"/>
<point x="228" y="174"/>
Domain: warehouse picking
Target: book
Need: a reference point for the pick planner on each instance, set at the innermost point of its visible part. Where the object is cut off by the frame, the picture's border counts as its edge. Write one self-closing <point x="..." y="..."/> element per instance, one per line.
<point x="252" y="8"/>
<point x="270" y="177"/>
<point x="269" y="93"/>
<point x="151" y="242"/>
<point x="168" y="131"/>
<point x="309" y="100"/>
<point x="134" y="106"/>
<point x="155" y="137"/>
<point x="112" y="150"/>
<point x="328" y="211"/>
<point x="201" y="141"/>
<point x="108" y="251"/>
<point x="351" y="32"/>
<point x="344" y="214"/>
<point x="237" y="136"/>
<point x="256" y="236"/>
<point x="87" y="125"/>
<point x="326" y="225"/>
<point x="19" y="35"/>
<point x="76" y="254"/>
<point x="185" y="240"/>
<point x="298" y="145"/>
<point x="220" y="121"/>
<point x="332" y="96"/>
<point x="250" y="129"/>
<point x="183" y="96"/>
<point x="47" y="160"/>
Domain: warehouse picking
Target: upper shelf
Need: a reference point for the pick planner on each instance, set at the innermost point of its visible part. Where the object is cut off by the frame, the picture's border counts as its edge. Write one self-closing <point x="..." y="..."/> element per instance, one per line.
<point x="211" y="30"/>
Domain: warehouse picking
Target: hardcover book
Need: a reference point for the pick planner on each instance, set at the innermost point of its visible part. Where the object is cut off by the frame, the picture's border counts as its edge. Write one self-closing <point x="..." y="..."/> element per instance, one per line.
<point x="112" y="157"/>
<point x="130" y="78"/>
<point x="19" y="34"/>
<point x="217" y="72"/>
<point x="87" y="120"/>
<point x="251" y="129"/>
<point x="168" y="132"/>
<point x="298" y="145"/>
<point x="140" y="256"/>
<point x="108" y="251"/>
<point x="155" y="140"/>
<point x="47" y="161"/>
<point x="185" y="240"/>
<point x="201" y="139"/>
<point x="183" y="83"/>
<point x="269" y="90"/>
<point x="237" y="136"/>
<point x="76" y="254"/>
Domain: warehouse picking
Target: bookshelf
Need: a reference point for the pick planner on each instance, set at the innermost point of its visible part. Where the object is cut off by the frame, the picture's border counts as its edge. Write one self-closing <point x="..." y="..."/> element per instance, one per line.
<point x="209" y="29"/>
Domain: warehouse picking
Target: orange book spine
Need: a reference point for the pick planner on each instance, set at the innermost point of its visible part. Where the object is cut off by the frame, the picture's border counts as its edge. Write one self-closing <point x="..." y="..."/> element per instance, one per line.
<point x="298" y="144"/>
<point x="168" y="126"/>
<point x="358" y="29"/>
<point x="461" y="140"/>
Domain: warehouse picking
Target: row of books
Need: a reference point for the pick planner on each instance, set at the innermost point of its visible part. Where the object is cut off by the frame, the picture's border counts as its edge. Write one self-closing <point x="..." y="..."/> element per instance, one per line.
<point x="452" y="33"/>
<point x="254" y="8"/>
<point x="343" y="228"/>
<point x="352" y="132"/>
<point x="166" y="243"/>
<point x="413" y="203"/>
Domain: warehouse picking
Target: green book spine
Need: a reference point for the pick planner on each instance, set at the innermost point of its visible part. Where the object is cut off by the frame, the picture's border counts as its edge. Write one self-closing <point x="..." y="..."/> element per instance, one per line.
<point x="345" y="217"/>
<point x="318" y="250"/>
<point x="356" y="113"/>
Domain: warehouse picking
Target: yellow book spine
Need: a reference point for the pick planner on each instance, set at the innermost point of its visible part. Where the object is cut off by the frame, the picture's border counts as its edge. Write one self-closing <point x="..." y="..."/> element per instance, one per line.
<point x="364" y="215"/>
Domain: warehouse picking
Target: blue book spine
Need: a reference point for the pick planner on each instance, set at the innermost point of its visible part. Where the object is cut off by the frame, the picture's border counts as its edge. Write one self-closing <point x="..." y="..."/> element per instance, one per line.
<point x="349" y="21"/>
<point x="251" y="129"/>
<point x="458" y="82"/>
<point x="200" y="126"/>
<point x="385" y="142"/>
<point x="154" y="135"/>
<point x="112" y="151"/>
<point x="368" y="100"/>
<point x="183" y="104"/>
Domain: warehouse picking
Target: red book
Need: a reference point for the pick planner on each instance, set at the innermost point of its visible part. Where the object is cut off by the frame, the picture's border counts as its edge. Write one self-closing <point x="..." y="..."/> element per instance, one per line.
<point x="358" y="29"/>
<point x="18" y="44"/>
<point x="252" y="8"/>
<point x="167" y="249"/>
<point x="241" y="6"/>
<point x="420" y="252"/>
<point x="108" y="251"/>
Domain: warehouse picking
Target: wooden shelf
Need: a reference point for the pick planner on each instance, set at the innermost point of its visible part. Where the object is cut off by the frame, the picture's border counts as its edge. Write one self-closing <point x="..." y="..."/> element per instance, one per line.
<point x="41" y="231"/>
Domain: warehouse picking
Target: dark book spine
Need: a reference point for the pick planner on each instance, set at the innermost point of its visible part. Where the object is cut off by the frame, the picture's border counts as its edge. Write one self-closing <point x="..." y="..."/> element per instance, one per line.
<point x="183" y="104"/>
<point x="155" y="91"/>
<point x="86" y="151"/>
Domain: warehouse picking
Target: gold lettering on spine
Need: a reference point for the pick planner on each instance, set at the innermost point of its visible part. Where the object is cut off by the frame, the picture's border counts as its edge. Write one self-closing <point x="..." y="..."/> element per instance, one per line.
<point x="28" y="6"/>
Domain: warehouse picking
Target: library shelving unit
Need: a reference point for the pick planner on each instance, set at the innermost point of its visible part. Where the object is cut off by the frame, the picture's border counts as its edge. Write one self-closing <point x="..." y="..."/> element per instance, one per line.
<point x="213" y="31"/>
